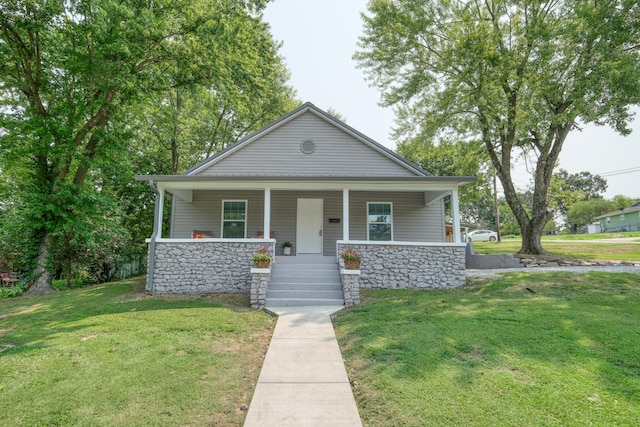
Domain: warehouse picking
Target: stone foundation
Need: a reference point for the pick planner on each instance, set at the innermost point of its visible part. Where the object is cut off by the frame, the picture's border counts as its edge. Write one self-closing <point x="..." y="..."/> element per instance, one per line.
<point x="201" y="266"/>
<point x="402" y="265"/>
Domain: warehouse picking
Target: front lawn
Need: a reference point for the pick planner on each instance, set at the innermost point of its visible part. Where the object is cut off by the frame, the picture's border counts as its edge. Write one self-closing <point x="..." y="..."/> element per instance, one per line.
<point x="575" y="249"/>
<point x="109" y="355"/>
<point x="543" y="349"/>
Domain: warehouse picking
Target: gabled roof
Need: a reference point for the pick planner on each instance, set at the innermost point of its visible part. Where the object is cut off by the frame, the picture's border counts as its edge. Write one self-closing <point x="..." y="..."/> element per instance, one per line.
<point x="309" y="107"/>
<point x="634" y="208"/>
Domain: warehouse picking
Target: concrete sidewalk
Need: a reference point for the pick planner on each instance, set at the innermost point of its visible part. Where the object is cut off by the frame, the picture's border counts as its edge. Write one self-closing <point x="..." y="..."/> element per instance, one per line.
<point x="303" y="381"/>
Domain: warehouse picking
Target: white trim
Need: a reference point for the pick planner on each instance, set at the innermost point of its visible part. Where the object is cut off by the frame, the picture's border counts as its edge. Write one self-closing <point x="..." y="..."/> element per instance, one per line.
<point x="345" y="214"/>
<point x="267" y="212"/>
<point x="260" y="270"/>
<point x="246" y="215"/>
<point x="212" y="240"/>
<point x="350" y="272"/>
<point x="368" y="223"/>
<point x="295" y="184"/>
<point x="455" y="211"/>
<point x="395" y="243"/>
<point x="160" y="212"/>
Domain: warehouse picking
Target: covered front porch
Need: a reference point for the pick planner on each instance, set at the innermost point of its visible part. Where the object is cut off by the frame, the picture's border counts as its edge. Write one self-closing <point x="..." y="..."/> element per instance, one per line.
<point x="397" y="224"/>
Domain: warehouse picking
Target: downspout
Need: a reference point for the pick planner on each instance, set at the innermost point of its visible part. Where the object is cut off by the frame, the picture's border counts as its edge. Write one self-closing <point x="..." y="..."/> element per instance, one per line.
<point x="151" y="263"/>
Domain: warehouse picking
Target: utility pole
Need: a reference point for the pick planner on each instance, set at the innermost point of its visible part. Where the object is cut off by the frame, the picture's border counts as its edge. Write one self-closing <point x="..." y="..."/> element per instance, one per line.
<point x="495" y="201"/>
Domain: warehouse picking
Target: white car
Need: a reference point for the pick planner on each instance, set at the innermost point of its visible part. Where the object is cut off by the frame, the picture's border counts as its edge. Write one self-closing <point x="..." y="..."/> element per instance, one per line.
<point x="482" y="236"/>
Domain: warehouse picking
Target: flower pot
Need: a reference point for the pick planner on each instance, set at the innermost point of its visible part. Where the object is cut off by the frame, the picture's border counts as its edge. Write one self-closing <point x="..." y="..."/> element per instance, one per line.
<point x="352" y="265"/>
<point x="286" y="251"/>
<point x="261" y="263"/>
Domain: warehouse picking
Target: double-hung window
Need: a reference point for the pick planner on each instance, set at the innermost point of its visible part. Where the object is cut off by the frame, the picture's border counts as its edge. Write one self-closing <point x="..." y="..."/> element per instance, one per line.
<point x="234" y="219"/>
<point x="379" y="221"/>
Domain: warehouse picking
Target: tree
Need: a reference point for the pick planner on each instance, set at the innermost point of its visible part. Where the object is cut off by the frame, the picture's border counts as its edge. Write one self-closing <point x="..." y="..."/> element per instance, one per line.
<point x="516" y="75"/>
<point x="567" y="189"/>
<point x="70" y="68"/>
<point x="583" y="212"/>
<point x="458" y="159"/>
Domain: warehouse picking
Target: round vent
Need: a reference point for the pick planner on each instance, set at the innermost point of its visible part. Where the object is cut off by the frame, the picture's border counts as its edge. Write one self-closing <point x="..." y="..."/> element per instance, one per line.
<point x="308" y="147"/>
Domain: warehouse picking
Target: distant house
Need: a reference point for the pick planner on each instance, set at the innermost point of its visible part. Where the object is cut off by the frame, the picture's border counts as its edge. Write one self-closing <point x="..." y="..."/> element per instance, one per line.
<point x="627" y="219"/>
<point x="312" y="180"/>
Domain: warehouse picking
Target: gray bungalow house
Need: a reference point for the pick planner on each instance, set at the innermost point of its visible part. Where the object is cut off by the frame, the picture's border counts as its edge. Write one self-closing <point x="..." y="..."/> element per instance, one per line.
<point x="312" y="180"/>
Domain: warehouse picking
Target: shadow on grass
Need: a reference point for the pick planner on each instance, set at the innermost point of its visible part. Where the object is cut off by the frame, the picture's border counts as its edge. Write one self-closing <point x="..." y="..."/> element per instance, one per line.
<point x="544" y="323"/>
<point x="26" y="323"/>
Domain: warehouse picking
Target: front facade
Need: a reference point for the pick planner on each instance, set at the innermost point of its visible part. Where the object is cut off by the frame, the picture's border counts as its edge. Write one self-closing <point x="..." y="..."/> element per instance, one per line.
<point x="311" y="180"/>
<point x="627" y="219"/>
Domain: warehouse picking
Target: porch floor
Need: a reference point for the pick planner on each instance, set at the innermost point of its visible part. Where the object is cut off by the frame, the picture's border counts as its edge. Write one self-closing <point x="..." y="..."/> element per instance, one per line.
<point x="305" y="281"/>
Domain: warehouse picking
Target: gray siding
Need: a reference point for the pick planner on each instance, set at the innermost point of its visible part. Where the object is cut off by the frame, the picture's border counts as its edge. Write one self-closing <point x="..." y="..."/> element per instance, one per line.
<point x="205" y="212"/>
<point x="278" y="153"/>
<point x="283" y="217"/>
<point x="412" y="221"/>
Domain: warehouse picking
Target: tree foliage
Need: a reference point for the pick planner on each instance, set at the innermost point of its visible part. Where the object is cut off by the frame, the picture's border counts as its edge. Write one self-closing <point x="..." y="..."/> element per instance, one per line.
<point x="70" y="73"/>
<point x="450" y="158"/>
<point x="567" y="189"/>
<point x="516" y="75"/>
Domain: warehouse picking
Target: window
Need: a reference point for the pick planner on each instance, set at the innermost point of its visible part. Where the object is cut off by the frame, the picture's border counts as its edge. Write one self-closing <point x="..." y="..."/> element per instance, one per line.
<point x="622" y="217"/>
<point x="234" y="219"/>
<point x="608" y="219"/>
<point x="379" y="221"/>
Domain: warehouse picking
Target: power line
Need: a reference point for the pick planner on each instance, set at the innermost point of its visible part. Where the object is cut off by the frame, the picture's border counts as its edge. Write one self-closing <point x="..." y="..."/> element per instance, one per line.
<point x="620" y="171"/>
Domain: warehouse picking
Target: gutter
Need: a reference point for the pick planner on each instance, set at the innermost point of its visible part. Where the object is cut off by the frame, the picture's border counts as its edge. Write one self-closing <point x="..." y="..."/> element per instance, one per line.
<point x="151" y="263"/>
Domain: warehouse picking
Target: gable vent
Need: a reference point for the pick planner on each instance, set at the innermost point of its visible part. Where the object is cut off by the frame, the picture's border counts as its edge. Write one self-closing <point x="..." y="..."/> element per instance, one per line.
<point x="308" y="147"/>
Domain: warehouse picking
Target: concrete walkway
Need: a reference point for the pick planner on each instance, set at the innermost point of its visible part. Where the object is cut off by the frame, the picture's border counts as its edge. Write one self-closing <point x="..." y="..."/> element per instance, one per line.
<point x="303" y="381"/>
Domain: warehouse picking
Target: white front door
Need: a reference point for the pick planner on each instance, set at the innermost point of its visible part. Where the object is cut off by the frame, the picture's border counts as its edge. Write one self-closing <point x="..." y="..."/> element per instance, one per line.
<point x="309" y="227"/>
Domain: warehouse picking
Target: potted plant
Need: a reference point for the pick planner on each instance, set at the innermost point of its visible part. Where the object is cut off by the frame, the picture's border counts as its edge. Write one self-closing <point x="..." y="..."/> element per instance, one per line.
<point x="286" y="248"/>
<point x="261" y="258"/>
<point x="351" y="259"/>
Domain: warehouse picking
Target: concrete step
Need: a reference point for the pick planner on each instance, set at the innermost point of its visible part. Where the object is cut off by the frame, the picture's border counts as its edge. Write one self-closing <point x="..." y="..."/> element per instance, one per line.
<point x="334" y="277"/>
<point x="280" y="286"/>
<point x="301" y="259"/>
<point x="307" y="294"/>
<point x="323" y="268"/>
<point x="301" y="302"/>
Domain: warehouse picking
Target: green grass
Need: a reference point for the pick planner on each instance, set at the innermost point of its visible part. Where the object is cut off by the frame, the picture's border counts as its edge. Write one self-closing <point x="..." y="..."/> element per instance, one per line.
<point x="497" y="354"/>
<point x="598" y="236"/>
<point x="577" y="249"/>
<point x="109" y="355"/>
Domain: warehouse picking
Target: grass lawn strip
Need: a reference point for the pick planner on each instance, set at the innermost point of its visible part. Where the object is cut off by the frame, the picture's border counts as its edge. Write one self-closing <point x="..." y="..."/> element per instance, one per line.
<point x="109" y="355"/>
<point x="498" y="354"/>
<point x="575" y="250"/>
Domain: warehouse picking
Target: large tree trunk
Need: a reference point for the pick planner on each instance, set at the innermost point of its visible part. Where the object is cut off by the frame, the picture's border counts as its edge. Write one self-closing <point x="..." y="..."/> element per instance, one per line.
<point x="531" y="233"/>
<point x="42" y="284"/>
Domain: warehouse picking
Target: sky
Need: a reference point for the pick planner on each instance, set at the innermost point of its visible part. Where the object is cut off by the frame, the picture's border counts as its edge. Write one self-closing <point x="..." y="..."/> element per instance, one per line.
<point x="319" y="39"/>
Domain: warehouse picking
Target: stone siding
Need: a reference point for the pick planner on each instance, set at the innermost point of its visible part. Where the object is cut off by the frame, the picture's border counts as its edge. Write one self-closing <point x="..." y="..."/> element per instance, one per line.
<point x="350" y="286"/>
<point x="200" y="267"/>
<point x="259" y="285"/>
<point x="389" y="266"/>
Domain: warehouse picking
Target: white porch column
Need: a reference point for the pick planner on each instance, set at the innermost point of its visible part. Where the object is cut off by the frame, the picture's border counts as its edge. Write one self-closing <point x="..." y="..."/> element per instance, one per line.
<point x="267" y="213"/>
<point x="345" y="214"/>
<point x="160" y="207"/>
<point x="455" y="212"/>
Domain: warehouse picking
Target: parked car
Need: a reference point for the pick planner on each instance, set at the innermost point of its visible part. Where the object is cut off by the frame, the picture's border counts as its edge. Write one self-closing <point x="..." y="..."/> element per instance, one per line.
<point x="482" y="236"/>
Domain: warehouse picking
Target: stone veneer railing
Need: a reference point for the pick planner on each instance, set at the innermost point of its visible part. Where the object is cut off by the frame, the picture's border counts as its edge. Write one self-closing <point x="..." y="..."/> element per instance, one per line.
<point x="201" y="266"/>
<point x="390" y="265"/>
